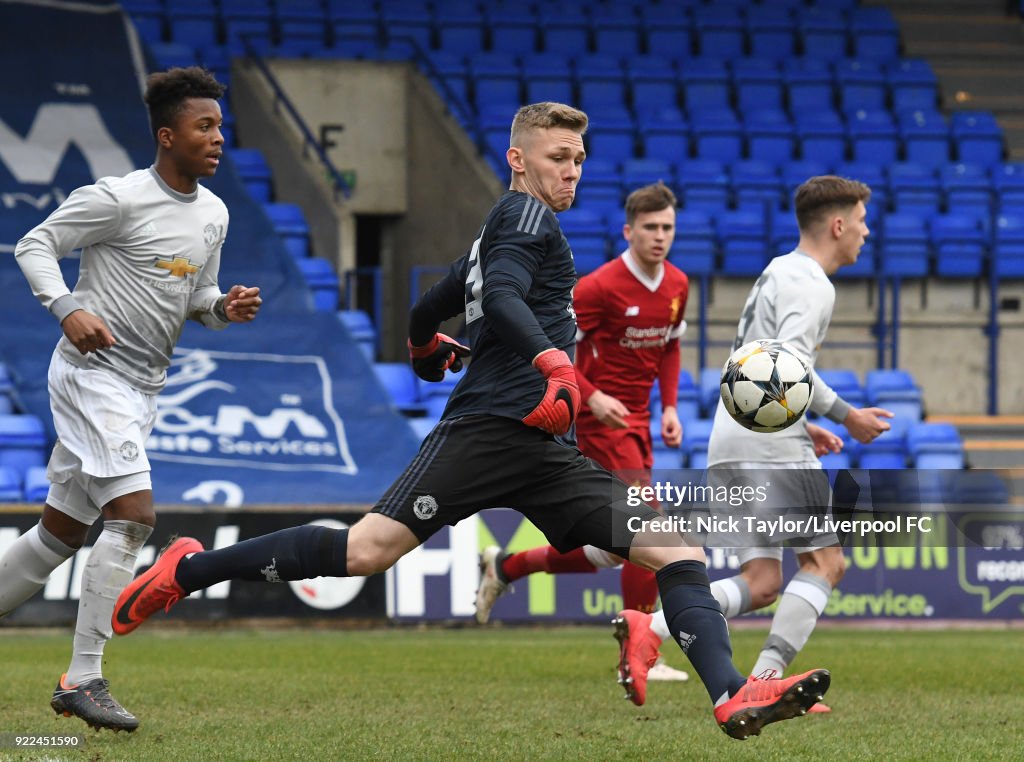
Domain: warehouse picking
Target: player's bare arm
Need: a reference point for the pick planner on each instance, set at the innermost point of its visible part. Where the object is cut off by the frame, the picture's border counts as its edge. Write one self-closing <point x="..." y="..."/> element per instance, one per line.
<point x="824" y="441"/>
<point x="242" y="303"/>
<point x="866" y="423"/>
<point x="671" y="428"/>
<point x="608" y="410"/>
<point x="87" y="332"/>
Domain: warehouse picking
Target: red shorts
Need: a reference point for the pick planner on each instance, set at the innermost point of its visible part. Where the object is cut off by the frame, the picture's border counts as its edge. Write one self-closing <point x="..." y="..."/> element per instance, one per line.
<point x="615" y="449"/>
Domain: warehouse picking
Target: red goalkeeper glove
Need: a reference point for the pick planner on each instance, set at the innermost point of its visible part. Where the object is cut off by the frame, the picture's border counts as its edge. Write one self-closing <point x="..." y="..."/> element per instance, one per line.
<point x="557" y="411"/>
<point x="441" y="353"/>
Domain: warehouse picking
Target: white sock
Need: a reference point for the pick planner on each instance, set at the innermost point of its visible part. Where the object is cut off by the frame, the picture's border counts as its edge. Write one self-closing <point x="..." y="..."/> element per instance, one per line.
<point x="732" y="594"/>
<point x="27" y="564"/>
<point x="110" y="568"/>
<point x="802" y="602"/>
<point x="659" y="626"/>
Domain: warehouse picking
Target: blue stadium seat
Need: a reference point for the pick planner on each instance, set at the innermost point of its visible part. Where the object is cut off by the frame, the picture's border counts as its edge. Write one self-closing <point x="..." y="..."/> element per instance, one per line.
<point x="1008" y="184"/>
<point x="664" y="138"/>
<point x="408" y="22"/>
<point x="893" y="383"/>
<point x="978" y="137"/>
<point x="960" y="244"/>
<point x="401" y="384"/>
<point x="37" y="486"/>
<point x="289" y="222"/>
<point x="513" y="31"/>
<point x="301" y="19"/>
<point x="845" y="383"/>
<point x="967" y="189"/>
<point x="652" y="81"/>
<point x="422" y="427"/>
<point x="696" y="435"/>
<point x="794" y="173"/>
<point x="705" y="84"/>
<point x="933" y="438"/>
<point x="783" y="233"/>
<point x="742" y="237"/>
<point x="912" y="85"/>
<point x="822" y="136"/>
<point x="874" y="33"/>
<point x="496" y="80"/>
<point x="322" y="280"/>
<point x="873" y="137"/>
<point x="668" y="32"/>
<point x="611" y="135"/>
<point x="695" y="246"/>
<point x="147" y="17"/>
<point x="360" y="328"/>
<point x="22" y="442"/>
<point x="10" y="485"/>
<point x="251" y="18"/>
<point x="255" y="173"/>
<point x="770" y="136"/>
<point x="459" y="29"/>
<point x="638" y="172"/>
<point x="757" y="84"/>
<point x="709" y="387"/>
<point x="771" y="32"/>
<point x="871" y="459"/>
<point x="823" y="33"/>
<point x="703" y="184"/>
<point x="717" y="134"/>
<point x="193" y="22"/>
<point x="906" y="248"/>
<point x="547" y="76"/>
<point x="171" y="54"/>
<point x="719" y="32"/>
<point x="666" y="459"/>
<point x="914" y="188"/>
<point x="353" y="18"/>
<point x="580" y="224"/>
<point x="808" y="86"/>
<point x="860" y="85"/>
<point x="615" y="30"/>
<point x="588" y="254"/>
<point x="925" y="137"/>
<point x="565" y="30"/>
<point x="756" y="186"/>
<point x="1008" y="246"/>
<point x="600" y="82"/>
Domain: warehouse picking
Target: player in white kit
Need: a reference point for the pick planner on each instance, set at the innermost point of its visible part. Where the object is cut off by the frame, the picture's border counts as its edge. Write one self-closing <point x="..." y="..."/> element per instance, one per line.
<point x="151" y="246"/>
<point x="791" y="301"/>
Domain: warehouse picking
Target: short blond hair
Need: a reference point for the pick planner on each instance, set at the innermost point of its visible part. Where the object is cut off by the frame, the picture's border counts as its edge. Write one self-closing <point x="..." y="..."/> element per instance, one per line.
<point x="545" y="116"/>
<point x="821" y="195"/>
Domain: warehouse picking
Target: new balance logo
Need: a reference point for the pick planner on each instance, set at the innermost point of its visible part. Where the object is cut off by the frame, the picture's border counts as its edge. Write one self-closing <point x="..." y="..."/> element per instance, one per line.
<point x="270" y="572"/>
<point x="686" y="640"/>
<point x="632" y="311"/>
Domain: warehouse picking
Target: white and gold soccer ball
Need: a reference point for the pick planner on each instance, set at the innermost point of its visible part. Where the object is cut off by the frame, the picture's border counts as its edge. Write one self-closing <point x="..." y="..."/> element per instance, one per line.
<point x="766" y="385"/>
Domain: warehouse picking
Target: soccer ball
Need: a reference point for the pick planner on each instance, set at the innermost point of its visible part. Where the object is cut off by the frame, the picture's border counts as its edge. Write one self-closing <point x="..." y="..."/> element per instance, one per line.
<point x="766" y="385"/>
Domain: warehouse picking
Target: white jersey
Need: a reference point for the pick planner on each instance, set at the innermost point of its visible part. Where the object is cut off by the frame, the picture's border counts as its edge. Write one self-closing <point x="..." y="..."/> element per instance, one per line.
<point x="150" y="258"/>
<point x="792" y="301"/>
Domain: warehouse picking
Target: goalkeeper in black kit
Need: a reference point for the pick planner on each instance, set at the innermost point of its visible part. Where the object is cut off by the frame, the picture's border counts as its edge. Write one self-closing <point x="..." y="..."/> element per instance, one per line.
<point x="506" y="438"/>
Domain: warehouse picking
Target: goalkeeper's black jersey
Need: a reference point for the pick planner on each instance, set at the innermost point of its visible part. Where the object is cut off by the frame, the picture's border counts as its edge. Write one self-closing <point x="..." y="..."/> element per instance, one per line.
<point x="515" y="287"/>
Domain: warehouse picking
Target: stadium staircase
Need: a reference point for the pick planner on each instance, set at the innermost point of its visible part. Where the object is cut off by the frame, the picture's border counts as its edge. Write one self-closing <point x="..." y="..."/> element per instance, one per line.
<point x="971" y="45"/>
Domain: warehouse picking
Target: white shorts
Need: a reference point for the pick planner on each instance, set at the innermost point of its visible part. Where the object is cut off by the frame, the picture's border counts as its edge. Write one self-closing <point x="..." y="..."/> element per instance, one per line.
<point x="102" y="425"/>
<point x="793" y="493"/>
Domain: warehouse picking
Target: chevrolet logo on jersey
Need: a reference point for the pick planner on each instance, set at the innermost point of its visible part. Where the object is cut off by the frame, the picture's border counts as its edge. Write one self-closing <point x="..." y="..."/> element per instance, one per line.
<point x="179" y="267"/>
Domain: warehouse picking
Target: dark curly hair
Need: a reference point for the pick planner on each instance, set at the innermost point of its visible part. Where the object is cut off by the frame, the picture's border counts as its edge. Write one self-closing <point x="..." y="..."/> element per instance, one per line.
<point x="167" y="91"/>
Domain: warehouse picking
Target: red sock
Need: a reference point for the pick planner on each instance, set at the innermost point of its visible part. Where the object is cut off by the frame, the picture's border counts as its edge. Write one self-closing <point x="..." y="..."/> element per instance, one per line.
<point x="546" y="559"/>
<point x="639" y="588"/>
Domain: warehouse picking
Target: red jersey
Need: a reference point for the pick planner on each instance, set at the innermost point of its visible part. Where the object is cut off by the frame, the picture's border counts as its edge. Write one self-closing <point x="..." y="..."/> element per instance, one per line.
<point x="629" y="329"/>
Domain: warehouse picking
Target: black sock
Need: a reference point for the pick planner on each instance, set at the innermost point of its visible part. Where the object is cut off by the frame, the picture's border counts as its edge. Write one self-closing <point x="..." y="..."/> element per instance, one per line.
<point x="695" y="621"/>
<point x="297" y="553"/>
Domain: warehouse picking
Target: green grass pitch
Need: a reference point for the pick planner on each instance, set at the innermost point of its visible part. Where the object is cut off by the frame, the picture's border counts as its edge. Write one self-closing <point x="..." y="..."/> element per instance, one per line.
<point x="510" y="693"/>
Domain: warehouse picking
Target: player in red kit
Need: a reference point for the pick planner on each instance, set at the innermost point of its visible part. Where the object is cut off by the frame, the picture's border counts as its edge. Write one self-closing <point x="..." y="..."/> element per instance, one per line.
<point x="629" y="314"/>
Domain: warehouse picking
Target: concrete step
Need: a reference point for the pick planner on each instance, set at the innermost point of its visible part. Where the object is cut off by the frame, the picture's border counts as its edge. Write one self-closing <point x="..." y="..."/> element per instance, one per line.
<point x="989" y="441"/>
